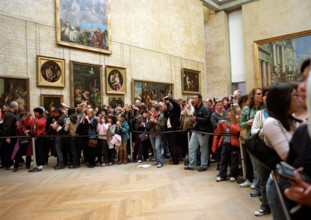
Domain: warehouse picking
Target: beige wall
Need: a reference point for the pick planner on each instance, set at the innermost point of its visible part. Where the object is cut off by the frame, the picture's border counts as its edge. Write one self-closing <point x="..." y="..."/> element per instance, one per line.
<point x="217" y="54"/>
<point x="153" y="40"/>
<point x="265" y="19"/>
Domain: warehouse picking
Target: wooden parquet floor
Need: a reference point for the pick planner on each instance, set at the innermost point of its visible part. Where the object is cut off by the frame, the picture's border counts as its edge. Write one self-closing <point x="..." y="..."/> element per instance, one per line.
<point x="123" y="192"/>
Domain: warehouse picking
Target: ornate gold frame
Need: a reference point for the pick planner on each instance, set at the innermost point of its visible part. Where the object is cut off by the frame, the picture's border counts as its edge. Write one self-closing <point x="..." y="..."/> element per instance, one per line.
<point x="44" y="83"/>
<point x="72" y="80"/>
<point x="42" y="96"/>
<point x="182" y="81"/>
<point x="81" y="46"/>
<point x="117" y="99"/>
<point x="258" y="79"/>
<point x="144" y="81"/>
<point x="122" y="71"/>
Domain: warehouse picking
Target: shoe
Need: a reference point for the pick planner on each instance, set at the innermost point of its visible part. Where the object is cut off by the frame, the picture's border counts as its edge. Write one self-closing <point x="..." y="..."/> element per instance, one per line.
<point x="73" y="166"/>
<point x="219" y="179"/>
<point x="155" y="163"/>
<point x="188" y="168"/>
<point x="160" y="165"/>
<point x="247" y="183"/>
<point x="11" y="167"/>
<point x="232" y="179"/>
<point x="253" y="186"/>
<point x="59" y="167"/>
<point x="40" y="167"/>
<point x="255" y="194"/>
<point x="104" y="164"/>
<point x="139" y="161"/>
<point x="147" y="159"/>
<point x="90" y="166"/>
<point x="98" y="164"/>
<point x="201" y="169"/>
<point x="213" y="160"/>
<point x="110" y="164"/>
<point x="261" y="212"/>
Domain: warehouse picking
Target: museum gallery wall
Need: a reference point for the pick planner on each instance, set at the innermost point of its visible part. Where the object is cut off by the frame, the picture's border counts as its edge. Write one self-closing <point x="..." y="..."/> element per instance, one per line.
<point x="105" y="47"/>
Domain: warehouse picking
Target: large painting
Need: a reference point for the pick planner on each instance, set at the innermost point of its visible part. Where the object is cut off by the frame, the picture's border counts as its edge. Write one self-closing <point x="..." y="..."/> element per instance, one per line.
<point x="191" y="81"/>
<point x="50" y="101"/>
<point x="147" y="91"/>
<point x="86" y="84"/>
<point x="84" y="24"/>
<point x="279" y="59"/>
<point x="51" y="72"/>
<point x="14" y="89"/>
<point x="116" y="101"/>
<point x="116" y="80"/>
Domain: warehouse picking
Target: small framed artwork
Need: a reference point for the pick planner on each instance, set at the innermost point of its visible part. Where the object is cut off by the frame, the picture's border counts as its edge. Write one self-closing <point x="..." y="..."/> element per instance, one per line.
<point x="115" y="101"/>
<point x="49" y="101"/>
<point x="86" y="84"/>
<point x="15" y="89"/>
<point x="278" y="59"/>
<point x="148" y="91"/>
<point x="84" y="24"/>
<point x="191" y="81"/>
<point x="116" y="80"/>
<point x="51" y="72"/>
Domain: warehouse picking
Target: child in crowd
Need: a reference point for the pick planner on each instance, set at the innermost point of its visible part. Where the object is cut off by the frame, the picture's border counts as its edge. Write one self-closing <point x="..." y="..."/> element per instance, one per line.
<point x="230" y="146"/>
<point x="123" y="130"/>
<point x="110" y="133"/>
<point x="102" y="129"/>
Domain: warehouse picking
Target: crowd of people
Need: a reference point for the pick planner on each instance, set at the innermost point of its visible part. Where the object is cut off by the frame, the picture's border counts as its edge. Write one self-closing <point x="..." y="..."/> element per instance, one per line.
<point x="100" y="136"/>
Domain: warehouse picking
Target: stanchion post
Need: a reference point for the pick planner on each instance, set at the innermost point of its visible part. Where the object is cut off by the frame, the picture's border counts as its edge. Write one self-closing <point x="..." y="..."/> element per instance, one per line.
<point x="35" y="168"/>
<point x="131" y="146"/>
<point x="242" y="159"/>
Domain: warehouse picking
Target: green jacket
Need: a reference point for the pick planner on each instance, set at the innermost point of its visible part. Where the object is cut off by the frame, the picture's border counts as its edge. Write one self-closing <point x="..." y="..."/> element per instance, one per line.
<point x="247" y="114"/>
<point x="124" y="131"/>
<point x="156" y="128"/>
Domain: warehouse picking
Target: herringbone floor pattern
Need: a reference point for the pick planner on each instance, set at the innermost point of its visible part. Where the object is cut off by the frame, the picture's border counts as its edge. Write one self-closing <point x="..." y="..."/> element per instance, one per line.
<point x="123" y="192"/>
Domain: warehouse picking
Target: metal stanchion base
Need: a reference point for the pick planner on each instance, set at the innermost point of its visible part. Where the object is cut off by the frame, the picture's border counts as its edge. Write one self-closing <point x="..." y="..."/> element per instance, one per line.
<point x="35" y="169"/>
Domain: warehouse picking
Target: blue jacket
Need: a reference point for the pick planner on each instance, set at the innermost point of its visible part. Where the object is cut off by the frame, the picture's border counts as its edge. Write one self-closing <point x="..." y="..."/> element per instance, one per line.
<point x="124" y="131"/>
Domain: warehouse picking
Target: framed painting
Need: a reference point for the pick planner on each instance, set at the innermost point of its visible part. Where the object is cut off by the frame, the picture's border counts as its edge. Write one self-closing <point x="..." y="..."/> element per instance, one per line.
<point x="191" y="81"/>
<point x="115" y="101"/>
<point x="49" y="101"/>
<point x="84" y="24"/>
<point x="115" y="80"/>
<point x="86" y="84"/>
<point x="147" y="91"/>
<point x="51" y="72"/>
<point x="279" y="59"/>
<point x="15" y="89"/>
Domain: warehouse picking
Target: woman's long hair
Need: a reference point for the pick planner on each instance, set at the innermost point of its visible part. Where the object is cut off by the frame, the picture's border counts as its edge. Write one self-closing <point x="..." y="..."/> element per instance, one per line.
<point x="278" y="103"/>
<point x="72" y="115"/>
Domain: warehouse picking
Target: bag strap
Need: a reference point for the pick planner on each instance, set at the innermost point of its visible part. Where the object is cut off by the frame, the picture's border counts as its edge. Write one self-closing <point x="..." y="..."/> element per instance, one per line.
<point x="303" y="150"/>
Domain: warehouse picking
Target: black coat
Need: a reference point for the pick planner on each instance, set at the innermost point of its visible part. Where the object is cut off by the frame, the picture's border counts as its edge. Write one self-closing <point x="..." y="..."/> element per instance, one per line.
<point x="9" y="124"/>
<point x="203" y="118"/>
<point x="173" y="114"/>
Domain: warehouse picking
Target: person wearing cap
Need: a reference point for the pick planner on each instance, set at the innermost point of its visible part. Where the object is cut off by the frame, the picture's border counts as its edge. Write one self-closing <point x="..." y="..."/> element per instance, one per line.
<point x="37" y="124"/>
<point x="55" y="129"/>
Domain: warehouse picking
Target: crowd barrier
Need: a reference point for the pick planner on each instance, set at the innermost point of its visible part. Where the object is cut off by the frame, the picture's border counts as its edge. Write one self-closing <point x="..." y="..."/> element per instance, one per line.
<point x="131" y="141"/>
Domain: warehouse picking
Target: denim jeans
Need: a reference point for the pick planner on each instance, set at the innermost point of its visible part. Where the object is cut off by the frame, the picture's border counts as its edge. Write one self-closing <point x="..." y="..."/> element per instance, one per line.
<point x="156" y="145"/>
<point x="74" y="152"/>
<point x="273" y="200"/>
<point x="58" y="146"/>
<point x="198" y="140"/>
<point x="256" y="173"/>
<point x="263" y="176"/>
<point x="229" y="155"/>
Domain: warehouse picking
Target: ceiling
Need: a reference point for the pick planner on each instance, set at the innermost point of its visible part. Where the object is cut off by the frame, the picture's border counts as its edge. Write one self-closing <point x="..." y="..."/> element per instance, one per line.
<point x="225" y="5"/>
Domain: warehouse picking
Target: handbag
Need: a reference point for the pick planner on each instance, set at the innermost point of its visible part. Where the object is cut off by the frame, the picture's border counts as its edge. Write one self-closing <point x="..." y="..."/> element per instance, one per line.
<point x="93" y="143"/>
<point x="256" y="146"/>
<point x="143" y="136"/>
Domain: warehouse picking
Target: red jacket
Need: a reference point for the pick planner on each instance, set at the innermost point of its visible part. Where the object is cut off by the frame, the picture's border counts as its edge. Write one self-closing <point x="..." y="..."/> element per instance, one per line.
<point x="40" y="123"/>
<point x="234" y="129"/>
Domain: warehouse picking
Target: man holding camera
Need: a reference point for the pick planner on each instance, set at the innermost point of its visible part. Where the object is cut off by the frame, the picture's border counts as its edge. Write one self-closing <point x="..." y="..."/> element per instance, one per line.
<point x="202" y="122"/>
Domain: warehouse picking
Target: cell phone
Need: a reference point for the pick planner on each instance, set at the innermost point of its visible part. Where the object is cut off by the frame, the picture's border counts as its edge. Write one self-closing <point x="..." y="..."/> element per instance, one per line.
<point x="287" y="172"/>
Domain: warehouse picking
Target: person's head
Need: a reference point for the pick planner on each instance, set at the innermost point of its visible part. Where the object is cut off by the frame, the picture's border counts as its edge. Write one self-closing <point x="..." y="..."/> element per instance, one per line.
<point x="282" y="101"/>
<point x="57" y="112"/>
<point x="243" y="100"/>
<point x="38" y="112"/>
<point x="121" y="117"/>
<point x="71" y="111"/>
<point x="90" y="113"/>
<point x="23" y="116"/>
<point x="255" y="97"/>
<point x="157" y="108"/>
<point x="14" y="106"/>
<point x="111" y="119"/>
<point x="145" y="114"/>
<point x="62" y="106"/>
<point x="197" y="99"/>
<point x="264" y="95"/>
<point x="238" y="93"/>
<point x="137" y="103"/>
<point x="302" y="88"/>
<point x="225" y="101"/>
<point x="219" y="105"/>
